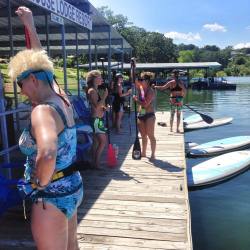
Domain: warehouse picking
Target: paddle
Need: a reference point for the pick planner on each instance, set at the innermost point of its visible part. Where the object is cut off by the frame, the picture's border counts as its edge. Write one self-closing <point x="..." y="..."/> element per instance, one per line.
<point x="205" y="118"/>
<point x="129" y="114"/>
<point x="111" y="158"/>
<point x="136" y="153"/>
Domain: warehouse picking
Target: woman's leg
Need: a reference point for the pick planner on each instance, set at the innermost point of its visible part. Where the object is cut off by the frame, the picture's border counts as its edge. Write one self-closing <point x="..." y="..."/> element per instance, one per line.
<point x="49" y="227"/>
<point x="113" y="119"/>
<point x="119" y="121"/>
<point x="72" y="233"/>
<point x="101" y="137"/>
<point x="94" y="149"/>
<point x="172" y="119"/>
<point x="142" y="130"/>
<point x="150" y="130"/>
<point x="178" y="114"/>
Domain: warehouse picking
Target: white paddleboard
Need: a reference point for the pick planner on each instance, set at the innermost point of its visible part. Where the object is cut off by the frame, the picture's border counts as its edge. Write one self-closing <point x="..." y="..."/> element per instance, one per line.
<point x="218" y="168"/>
<point x="219" y="146"/>
<point x="189" y="145"/>
<point x="192" y="119"/>
<point x="202" y="124"/>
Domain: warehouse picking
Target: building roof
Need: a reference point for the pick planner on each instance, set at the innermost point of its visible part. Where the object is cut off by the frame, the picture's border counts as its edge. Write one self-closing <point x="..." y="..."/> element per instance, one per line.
<point x="99" y="33"/>
<point x="154" y="66"/>
<point x="191" y="65"/>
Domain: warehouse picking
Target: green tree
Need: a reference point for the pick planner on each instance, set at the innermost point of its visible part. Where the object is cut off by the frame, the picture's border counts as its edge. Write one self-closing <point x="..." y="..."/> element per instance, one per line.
<point x="119" y="22"/>
<point x="186" y="56"/>
<point x="148" y="46"/>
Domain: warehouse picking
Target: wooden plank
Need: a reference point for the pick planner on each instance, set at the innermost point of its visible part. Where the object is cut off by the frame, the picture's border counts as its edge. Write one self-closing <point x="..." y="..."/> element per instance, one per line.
<point x="132" y="234"/>
<point x="114" y="225"/>
<point x="130" y="242"/>
<point x="133" y="219"/>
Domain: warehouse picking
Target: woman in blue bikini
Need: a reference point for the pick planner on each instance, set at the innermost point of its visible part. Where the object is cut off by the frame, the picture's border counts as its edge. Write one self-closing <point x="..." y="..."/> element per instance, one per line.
<point x="49" y="144"/>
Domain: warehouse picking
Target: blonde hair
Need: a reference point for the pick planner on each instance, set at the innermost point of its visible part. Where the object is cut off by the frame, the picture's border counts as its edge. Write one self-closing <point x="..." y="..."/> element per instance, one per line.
<point x="91" y="76"/>
<point x="148" y="75"/>
<point x="29" y="59"/>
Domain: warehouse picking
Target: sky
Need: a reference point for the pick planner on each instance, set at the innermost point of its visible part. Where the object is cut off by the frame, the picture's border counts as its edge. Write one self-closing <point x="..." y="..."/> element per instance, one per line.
<point x="201" y="22"/>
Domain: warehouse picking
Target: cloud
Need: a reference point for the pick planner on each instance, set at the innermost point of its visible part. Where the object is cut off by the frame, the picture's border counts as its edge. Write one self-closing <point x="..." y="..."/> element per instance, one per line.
<point x="214" y="27"/>
<point x="242" y="45"/>
<point x="248" y="27"/>
<point x="183" y="36"/>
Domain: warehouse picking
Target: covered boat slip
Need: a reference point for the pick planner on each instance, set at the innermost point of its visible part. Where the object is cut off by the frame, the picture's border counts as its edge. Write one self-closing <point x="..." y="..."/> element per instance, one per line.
<point x="62" y="32"/>
<point x="137" y="205"/>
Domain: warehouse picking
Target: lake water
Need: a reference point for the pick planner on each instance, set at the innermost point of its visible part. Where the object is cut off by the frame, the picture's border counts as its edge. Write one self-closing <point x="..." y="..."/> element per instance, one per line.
<point x="220" y="214"/>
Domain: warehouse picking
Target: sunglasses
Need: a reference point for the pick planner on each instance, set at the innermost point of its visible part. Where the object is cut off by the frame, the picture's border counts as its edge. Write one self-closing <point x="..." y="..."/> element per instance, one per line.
<point x="141" y="79"/>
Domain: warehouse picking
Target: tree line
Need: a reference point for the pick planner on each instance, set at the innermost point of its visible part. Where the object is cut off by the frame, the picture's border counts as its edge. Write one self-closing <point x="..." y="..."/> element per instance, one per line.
<point x="154" y="47"/>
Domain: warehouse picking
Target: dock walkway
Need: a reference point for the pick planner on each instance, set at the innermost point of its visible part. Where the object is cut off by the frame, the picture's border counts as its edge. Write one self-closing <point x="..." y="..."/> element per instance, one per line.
<point x="137" y="205"/>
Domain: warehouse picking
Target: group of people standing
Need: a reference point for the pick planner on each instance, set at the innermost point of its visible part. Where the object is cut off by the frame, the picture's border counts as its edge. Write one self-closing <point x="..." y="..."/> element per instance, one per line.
<point x="49" y="142"/>
<point x="146" y="107"/>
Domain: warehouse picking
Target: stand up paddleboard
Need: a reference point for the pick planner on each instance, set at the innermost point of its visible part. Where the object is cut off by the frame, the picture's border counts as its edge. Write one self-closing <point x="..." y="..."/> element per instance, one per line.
<point x="218" y="168"/>
<point x="192" y="119"/>
<point x="202" y="124"/>
<point x="219" y="146"/>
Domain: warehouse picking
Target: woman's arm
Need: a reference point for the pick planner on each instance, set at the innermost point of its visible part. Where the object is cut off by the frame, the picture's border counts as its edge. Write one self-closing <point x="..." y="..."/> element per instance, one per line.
<point x="93" y="98"/>
<point x="45" y="131"/>
<point x="165" y="86"/>
<point x="123" y="94"/>
<point x="26" y="18"/>
<point x="183" y="91"/>
<point x="148" y="99"/>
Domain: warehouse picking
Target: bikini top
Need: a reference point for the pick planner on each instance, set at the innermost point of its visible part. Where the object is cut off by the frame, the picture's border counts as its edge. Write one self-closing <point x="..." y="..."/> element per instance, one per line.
<point x="66" y="145"/>
<point x="176" y="88"/>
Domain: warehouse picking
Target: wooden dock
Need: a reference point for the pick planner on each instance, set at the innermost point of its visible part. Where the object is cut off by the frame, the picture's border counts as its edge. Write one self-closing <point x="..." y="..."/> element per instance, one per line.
<point x="137" y="205"/>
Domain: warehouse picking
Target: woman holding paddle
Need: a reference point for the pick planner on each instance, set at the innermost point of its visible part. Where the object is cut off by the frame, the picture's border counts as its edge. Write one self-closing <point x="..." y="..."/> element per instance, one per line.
<point x="177" y="93"/>
<point x="146" y="117"/>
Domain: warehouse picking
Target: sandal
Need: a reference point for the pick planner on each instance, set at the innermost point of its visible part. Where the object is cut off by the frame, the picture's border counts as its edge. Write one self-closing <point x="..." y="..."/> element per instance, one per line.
<point x="163" y="124"/>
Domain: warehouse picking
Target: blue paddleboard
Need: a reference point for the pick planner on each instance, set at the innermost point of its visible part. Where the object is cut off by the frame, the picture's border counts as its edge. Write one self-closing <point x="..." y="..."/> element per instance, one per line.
<point x="219" y="146"/>
<point x="218" y="168"/>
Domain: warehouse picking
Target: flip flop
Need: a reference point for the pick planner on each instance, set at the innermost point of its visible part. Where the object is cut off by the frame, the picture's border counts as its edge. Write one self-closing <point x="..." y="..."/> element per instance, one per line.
<point x="163" y="124"/>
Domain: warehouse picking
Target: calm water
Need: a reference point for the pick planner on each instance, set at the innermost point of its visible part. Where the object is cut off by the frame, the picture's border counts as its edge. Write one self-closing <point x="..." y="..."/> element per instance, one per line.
<point x="220" y="214"/>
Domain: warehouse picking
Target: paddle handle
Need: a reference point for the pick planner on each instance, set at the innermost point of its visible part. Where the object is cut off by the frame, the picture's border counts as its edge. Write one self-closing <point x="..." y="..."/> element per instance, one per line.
<point x="133" y="81"/>
<point x="192" y="109"/>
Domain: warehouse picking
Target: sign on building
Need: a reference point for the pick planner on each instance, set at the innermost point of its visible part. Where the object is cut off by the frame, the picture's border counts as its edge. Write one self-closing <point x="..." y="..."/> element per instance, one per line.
<point x="66" y="10"/>
<point x="57" y="19"/>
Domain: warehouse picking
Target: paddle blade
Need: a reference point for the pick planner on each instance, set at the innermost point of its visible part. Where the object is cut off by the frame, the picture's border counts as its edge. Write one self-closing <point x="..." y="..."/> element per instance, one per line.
<point x="111" y="159"/>
<point x="206" y="118"/>
<point x="136" y="153"/>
